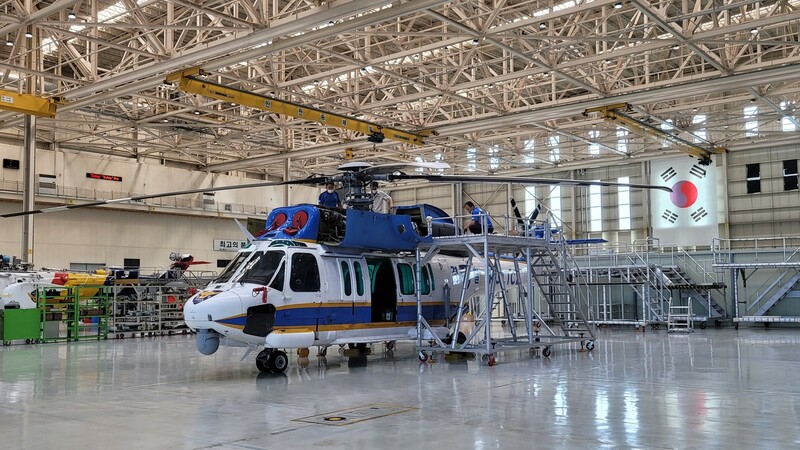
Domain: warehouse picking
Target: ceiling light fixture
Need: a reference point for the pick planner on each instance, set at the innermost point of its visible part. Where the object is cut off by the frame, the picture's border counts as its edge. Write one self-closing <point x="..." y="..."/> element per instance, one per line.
<point x="676" y="47"/>
<point x="618" y="5"/>
<point x="29" y="32"/>
<point x="10" y="43"/>
<point x="197" y="113"/>
<point x="475" y="41"/>
<point x="71" y="15"/>
<point x="754" y="31"/>
<point x="542" y="26"/>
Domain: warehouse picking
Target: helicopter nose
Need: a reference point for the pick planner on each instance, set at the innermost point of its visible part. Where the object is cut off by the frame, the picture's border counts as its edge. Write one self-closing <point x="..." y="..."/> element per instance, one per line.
<point x="202" y="310"/>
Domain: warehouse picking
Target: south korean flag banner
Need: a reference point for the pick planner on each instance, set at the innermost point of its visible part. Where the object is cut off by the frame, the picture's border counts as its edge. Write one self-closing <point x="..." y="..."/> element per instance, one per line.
<point x="687" y="216"/>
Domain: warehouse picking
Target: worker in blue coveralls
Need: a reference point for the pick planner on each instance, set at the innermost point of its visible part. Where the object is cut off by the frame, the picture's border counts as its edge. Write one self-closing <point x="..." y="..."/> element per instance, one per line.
<point x="329" y="197"/>
<point x="474" y="225"/>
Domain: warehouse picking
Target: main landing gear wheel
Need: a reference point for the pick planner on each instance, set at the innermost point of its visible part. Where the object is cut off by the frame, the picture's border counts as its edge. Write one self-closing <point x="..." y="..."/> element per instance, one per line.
<point x="278" y="361"/>
<point x="262" y="361"/>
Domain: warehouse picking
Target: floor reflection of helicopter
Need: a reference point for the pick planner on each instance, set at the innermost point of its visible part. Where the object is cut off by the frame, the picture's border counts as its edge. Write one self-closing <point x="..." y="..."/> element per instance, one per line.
<point x="324" y="276"/>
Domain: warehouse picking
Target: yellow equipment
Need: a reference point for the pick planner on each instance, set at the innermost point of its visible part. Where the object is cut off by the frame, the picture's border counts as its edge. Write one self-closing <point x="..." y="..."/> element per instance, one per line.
<point x="28" y="104"/>
<point x="188" y="82"/>
<point x="613" y="114"/>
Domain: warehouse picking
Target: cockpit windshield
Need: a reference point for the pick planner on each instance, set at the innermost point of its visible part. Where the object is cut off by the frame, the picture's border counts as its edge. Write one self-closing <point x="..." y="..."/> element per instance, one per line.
<point x="226" y="274"/>
<point x="262" y="268"/>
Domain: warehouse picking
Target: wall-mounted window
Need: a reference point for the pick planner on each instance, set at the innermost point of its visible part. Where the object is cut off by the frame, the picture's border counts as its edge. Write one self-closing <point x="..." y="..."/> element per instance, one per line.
<point x="494" y="158"/>
<point x="700" y="134"/>
<point x="594" y="147"/>
<point x="790" y="175"/>
<point x="555" y="204"/>
<point x="750" y="120"/>
<point x="133" y="263"/>
<point x="530" y="152"/>
<point x="555" y="151"/>
<point x="753" y="178"/>
<point x="472" y="163"/>
<point x="595" y="209"/>
<point x="223" y="263"/>
<point x="624" y="204"/>
<point x="787" y="122"/>
<point x="622" y="140"/>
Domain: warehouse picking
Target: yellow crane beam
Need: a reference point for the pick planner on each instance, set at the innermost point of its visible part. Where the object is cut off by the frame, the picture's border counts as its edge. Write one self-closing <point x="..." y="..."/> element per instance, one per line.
<point x="28" y="104"/>
<point x="188" y="82"/>
<point x="614" y="114"/>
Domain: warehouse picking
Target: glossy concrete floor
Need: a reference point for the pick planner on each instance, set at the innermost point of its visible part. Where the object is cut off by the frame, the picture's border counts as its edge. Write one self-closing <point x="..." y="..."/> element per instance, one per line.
<point x="710" y="389"/>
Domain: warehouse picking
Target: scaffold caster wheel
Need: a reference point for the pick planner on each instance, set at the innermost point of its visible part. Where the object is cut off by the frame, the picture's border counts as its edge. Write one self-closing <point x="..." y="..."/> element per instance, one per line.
<point x="736" y="326"/>
<point x="546" y="352"/>
<point x="590" y="345"/>
<point x="390" y="346"/>
<point x="766" y="324"/>
<point x="423" y="357"/>
<point x="489" y="360"/>
<point x="323" y="351"/>
<point x="703" y="325"/>
<point x="27" y="341"/>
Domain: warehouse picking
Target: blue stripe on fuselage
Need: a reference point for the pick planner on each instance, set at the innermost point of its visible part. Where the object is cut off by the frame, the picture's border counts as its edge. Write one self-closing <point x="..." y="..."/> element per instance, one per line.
<point x="342" y="314"/>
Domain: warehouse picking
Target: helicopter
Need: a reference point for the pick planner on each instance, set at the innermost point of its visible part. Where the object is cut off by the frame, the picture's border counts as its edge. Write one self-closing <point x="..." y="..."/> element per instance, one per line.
<point x="319" y="276"/>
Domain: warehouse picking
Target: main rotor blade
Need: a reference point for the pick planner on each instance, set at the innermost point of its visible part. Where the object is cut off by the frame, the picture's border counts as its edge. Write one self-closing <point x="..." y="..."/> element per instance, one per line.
<point x="520" y="180"/>
<point x="312" y="181"/>
<point x="387" y="168"/>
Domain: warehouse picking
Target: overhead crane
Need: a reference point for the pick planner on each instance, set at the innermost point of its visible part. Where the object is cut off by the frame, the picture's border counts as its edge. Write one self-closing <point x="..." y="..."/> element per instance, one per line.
<point x="189" y="81"/>
<point x="615" y="114"/>
<point x="29" y="104"/>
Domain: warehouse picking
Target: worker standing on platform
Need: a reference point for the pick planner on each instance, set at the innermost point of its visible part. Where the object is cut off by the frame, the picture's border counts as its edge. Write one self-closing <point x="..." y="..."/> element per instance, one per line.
<point x="479" y="217"/>
<point x="381" y="201"/>
<point x="329" y="197"/>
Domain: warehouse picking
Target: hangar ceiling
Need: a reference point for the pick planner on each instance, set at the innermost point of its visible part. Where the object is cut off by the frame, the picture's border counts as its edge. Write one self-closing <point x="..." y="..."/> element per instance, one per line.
<point x="502" y="84"/>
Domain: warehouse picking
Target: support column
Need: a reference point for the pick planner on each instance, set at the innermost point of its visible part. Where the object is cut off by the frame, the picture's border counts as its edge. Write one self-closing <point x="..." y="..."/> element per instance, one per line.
<point x="28" y="174"/>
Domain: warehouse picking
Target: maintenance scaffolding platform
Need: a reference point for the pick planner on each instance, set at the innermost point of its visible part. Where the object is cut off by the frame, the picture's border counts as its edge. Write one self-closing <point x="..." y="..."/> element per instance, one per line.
<point x="507" y="261"/>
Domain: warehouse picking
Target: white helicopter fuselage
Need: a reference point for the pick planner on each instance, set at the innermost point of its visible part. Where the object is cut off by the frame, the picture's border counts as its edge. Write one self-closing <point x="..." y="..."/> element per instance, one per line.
<point x="288" y="294"/>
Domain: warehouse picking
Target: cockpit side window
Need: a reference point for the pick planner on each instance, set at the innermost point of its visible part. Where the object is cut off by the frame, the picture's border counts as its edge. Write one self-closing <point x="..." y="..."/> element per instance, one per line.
<point x="231" y="268"/>
<point x="262" y="267"/>
<point x="304" y="275"/>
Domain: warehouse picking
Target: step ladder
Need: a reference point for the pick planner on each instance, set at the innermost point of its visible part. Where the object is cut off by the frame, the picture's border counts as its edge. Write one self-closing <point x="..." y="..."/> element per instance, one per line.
<point x="679" y="317"/>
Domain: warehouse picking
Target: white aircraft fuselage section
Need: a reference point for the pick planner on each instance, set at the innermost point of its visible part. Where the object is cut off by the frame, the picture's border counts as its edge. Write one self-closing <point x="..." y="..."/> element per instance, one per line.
<point x="288" y="294"/>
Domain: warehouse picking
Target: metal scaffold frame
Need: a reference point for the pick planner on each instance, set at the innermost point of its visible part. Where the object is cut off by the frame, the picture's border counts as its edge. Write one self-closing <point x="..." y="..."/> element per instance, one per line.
<point x="563" y="322"/>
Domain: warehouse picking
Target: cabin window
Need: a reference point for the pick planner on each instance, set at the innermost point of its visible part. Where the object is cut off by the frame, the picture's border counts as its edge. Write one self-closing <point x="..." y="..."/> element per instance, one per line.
<point x="305" y="273"/>
<point x="406" y="275"/>
<point x="231" y="269"/>
<point x="426" y="280"/>
<point x="359" y="278"/>
<point x="261" y="269"/>
<point x="348" y="285"/>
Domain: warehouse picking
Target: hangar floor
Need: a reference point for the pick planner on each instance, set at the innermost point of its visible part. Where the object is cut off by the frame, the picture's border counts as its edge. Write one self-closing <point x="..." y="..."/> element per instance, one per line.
<point x="710" y="389"/>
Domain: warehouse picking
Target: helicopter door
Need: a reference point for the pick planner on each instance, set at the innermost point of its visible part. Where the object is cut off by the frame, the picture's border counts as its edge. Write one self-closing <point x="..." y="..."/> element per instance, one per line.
<point x="352" y="288"/>
<point x="383" y="288"/>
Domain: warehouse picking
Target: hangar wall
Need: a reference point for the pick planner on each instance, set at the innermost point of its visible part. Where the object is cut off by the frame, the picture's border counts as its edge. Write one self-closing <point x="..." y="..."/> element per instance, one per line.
<point x="772" y="212"/>
<point x="108" y="235"/>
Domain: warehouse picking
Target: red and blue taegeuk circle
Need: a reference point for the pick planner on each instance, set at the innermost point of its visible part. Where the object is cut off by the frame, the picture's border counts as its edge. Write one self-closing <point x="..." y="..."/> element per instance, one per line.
<point x="684" y="194"/>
